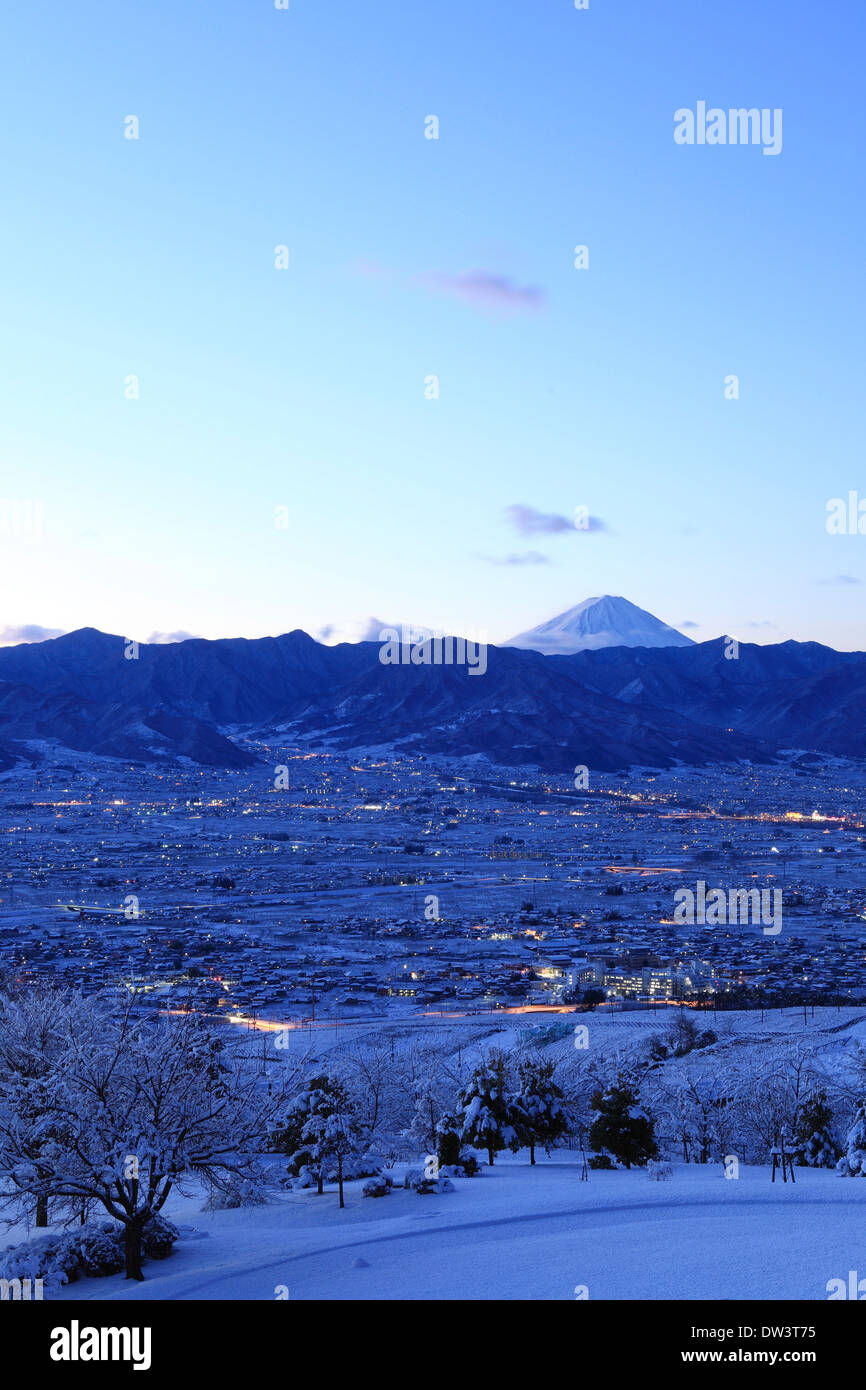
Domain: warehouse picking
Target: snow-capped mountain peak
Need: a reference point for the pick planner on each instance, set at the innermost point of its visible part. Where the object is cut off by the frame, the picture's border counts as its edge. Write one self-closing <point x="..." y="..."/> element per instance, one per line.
<point x="605" y="621"/>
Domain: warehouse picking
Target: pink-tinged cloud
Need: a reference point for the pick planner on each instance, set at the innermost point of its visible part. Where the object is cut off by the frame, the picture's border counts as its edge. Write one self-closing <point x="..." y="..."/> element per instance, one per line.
<point x="483" y="290"/>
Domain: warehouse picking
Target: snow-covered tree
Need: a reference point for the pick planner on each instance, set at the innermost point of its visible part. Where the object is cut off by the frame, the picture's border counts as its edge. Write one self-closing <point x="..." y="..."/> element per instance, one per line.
<point x="321" y="1119"/>
<point x="770" y="1088"/>
<point x="422" y="1131"/>
<point x="427" y="1076"/>
<point x="487" y="1110"/>
<point x="813" y="1136"/>
<point x="694" y="1106"/>
<point x="136" y="1109"/>
<point x="448" y="1139"/>
<point x="370" y="1076"/>
<point x="338" y="1138"/>
<point x="539" y="1116"/>
<point x="622" y="1127"/>
<point x="33" y="1025"/>
<point x="852" y="1164"/>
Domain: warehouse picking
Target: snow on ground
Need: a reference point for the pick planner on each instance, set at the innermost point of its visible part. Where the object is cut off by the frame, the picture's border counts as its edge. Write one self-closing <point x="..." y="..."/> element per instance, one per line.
<point x="518" y="1232"/>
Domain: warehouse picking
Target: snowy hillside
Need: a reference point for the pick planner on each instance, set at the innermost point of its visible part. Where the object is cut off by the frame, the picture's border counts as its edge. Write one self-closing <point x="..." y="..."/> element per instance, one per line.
<point x="523" y="1233"/>
<point x="686" y="1231"/>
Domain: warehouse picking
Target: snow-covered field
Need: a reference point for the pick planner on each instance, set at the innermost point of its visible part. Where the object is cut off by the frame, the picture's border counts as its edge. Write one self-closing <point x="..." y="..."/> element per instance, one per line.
<point x="518" y="1232"/>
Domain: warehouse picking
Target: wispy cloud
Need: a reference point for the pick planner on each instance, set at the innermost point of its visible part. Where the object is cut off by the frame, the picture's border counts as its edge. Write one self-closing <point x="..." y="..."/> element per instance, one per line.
<point x="482" y="289"/>
<point x="163" y="638"/>
<point x="358" y="630"/>
<point x="687" y="622"/>
<point x="28" y="632"/>
<point x="841" y="579"/>
<point x="486" y="290"/>
<point x="529" y="557"/>
<point x="529" y="522"/>
<point x="764" y="622"/>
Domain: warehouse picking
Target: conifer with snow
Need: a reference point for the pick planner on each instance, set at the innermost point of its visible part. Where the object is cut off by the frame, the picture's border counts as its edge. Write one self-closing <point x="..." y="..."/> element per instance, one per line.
<point x="622" y="1128"/>
<point x="448" y="1139"/>
<point x="813" y="1136"/>
<point x="539" y="1115"/>
<point x="487" y="1110"/>
<point x="323" y="1121"/>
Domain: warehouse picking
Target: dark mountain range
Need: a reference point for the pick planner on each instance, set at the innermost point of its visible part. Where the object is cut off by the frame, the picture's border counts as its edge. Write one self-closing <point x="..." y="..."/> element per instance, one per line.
<point x="608" y="709"/>
<point x="110" y="728"/>
<point x="795" y="694"/>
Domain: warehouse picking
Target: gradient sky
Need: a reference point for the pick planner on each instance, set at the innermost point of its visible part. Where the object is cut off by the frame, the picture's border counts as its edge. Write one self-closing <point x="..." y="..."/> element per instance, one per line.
<point x="304" y="388"/>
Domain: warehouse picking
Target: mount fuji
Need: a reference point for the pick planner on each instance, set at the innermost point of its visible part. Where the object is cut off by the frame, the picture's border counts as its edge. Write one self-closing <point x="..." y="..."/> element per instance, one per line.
<point x="599" y="622"/>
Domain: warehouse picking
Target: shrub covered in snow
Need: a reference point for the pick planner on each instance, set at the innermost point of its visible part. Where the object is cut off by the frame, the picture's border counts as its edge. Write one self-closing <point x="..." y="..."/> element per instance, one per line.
<point x="50" y="1258"/>
<point x="94" y="1251"/>
<point x="376" y="1187"/>
<point x="852" y="1164"/>
<point x="426" y="1187"/>
<point x="159" y="1237"/>
<point x="98" y="1249"/>
<point x="659" y="1170"/>
<point x="467" y="1168"/>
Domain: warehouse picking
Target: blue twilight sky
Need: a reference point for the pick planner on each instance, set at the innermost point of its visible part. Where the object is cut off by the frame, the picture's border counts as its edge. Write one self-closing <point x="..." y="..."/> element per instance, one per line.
<point x="409" y="257"/>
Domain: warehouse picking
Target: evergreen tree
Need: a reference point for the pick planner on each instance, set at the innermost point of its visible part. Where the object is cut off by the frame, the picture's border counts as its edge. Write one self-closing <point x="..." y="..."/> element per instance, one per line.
<point x="337" y="1138"/>
<point x="286" y="1136"/>
<point x="622" y="1128"/>
<point x="487" y="1110"/>
<point x="852" y="1164"/>
<point x="448" y="1139"/>
<point x="813" y="1134"/>
<point x="321" y="1120"/>
<point x="539" y="1116"/>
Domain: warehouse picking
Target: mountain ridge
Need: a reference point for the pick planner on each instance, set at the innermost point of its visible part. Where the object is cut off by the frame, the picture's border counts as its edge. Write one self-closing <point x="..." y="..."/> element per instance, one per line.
<point x="612" y="708"/>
